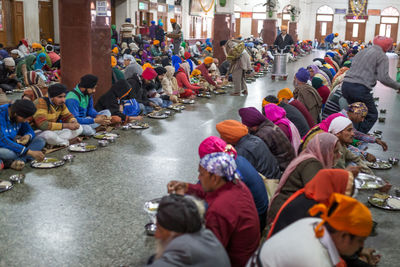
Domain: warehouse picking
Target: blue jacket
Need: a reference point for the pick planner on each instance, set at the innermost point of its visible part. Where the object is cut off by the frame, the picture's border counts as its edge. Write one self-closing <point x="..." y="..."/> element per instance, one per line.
<point x="329" y="38"/>
<point x="254" y="182"/>
<point x="8" y="131"/>
<point x="81" y="107"/>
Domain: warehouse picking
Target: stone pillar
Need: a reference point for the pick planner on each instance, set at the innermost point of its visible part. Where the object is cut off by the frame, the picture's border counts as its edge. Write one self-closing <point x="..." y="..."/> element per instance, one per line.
<point x="85" y="43"/>
<point x="269" y="31"/>
<point x="293" y="30"/>
<point x="223" y="30"/>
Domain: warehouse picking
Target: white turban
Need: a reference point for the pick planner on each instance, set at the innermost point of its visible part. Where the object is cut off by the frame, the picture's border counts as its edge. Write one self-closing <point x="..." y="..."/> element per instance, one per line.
<point x="129" y="57"/>
<point x="133" y="47"/>
<point x="339" y="124"/>
<point x="198" y="43"/>
<point x="9" y="62"/>
<point x="17" y="52"/>
<point x="317" y="63"/>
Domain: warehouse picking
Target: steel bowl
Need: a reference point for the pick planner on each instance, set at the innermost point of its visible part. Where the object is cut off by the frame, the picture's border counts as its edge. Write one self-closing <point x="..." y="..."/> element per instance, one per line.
<point x="69" y="158"/>
<point x="103" y="143"/>
<point x="150" y="229"/>
<point x="17" y="178"/>
<point x="393" y="161"/>
<point x="378" y="132"/>
<point x="112" y="139"/>
<point x="125" y="127"/>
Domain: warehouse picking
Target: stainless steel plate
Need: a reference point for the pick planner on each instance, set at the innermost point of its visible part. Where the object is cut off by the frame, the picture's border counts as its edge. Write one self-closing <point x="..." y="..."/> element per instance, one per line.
<point x="47" y="163"/>
<point x="150" y="229"/>
<point x="367" y="181"/>
<point x="187" y="101"/>
<point x="82" y="147"/>
<point x="138" y="125"/>
<point x="379" y="165"/>
<point x="152" y="205"/>
<point x="106" y="135"/>
<point x="5" y="186"/>
<point x="385" y="203"/>
<point x="17" y="178"/>
<point x="158" y="115"/>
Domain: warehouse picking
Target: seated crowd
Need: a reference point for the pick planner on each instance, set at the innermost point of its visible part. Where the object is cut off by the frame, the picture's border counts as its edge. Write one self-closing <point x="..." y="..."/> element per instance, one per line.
<point x="284" y="174"/>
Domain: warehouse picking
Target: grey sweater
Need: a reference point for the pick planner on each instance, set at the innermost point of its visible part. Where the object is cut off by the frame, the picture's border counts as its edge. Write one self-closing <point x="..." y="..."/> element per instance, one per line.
<point x="368" y="66"/>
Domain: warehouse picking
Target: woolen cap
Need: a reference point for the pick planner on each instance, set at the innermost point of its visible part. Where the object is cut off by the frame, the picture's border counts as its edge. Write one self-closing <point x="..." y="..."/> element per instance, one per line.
<point x="23" y="108"/>
<point x="88" y="81"/>
<point x="56" y="90"/>
<point x="178" y="214"/>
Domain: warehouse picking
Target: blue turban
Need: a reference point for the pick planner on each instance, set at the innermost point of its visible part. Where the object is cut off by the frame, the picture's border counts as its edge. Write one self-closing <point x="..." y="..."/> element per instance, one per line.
<point x="128" y="20"/>
<point x="176" y="61"/>
<point x="331" y="54"/>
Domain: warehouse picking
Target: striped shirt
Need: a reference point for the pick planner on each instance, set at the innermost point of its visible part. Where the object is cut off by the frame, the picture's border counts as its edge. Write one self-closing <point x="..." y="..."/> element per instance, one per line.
<point x="48" y="117"/>
<point x="369" y="66"/>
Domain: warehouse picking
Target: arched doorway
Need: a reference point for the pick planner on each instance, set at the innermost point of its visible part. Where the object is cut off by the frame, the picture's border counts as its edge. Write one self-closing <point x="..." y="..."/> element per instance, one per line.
<point x="324" y="22"/>
<point x="389" y="23"/>
<point x="285" y="16"/>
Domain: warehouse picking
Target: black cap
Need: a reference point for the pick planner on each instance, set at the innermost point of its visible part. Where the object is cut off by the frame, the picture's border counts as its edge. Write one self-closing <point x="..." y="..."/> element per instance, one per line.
<point x="179" y="214"/>
<point x="160" y="70"/>
<point x="88" y="81"/>
<point x="56" y="89"/>
<point x="23" y="108"/>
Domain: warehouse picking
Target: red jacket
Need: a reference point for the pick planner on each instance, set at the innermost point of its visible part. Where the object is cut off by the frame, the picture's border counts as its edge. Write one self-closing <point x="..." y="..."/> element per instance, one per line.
<point x="183" y="81"/>
<point x="232" y="216"/>
<point x="206" y="74"/>
<point x="300" y="106"/>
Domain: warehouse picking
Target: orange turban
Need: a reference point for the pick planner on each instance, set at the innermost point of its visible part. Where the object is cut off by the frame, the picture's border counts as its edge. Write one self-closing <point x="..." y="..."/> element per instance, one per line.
<point x="50" y="40"/>
<point x="173" y="20"/>
<point x="231" y="131"/>
<point x="147" y="65"/>
<point x="285" y="93"/>
<point x="115" y="50"/>
<point x="113" y="61"/>
<point x="336" y="34"/>
<point x="195" y="72"/>
<point x="156" y="42"/>
<point x="209" y="49"/>
<point x="208" y="60"/>
<point x="350" y="216"/>
<point x="345" y="45"/>
<point x="37" y="46"/>
<point x="284" y="28"/>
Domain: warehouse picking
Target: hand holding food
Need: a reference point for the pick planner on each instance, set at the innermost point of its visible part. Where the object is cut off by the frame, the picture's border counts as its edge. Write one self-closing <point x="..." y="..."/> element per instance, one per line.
<point x="177" y="187"/>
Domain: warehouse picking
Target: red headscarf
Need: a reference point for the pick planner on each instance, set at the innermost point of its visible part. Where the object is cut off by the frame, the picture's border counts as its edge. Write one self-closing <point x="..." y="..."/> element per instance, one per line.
<point x="384" y="42"/>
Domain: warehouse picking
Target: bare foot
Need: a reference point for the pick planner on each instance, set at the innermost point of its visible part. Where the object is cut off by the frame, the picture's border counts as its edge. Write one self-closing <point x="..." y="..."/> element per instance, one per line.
<point x="17" y="165"/>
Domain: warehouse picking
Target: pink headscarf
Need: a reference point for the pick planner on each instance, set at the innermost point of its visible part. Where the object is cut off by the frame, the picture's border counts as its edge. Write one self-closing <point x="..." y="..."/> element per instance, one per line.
<point x="277" y="115"/>
<point x="321" y="147"/>
<point x="214" y="144"/>
<point x="324" y="125"/>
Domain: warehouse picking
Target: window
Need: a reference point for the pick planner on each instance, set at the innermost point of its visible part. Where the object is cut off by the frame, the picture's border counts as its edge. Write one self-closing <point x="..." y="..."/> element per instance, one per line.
<point x="259" y="15"/>
<point x="143" y="6"/>
<point x="355" y="30"/>
<point x="325" y="10"/>
<point x="324" y="17"/>
<point x="286" y="17"/>
<point x="260" y="26"/>
<point x="161" y="8"/>
<point x="1" y="17"/>
<point x="237" y="15"/>
<point x="356" y="20"/>
<point x="393" y="20"/>
<point x="324" y="26"/>
<point x="390" y="11"/>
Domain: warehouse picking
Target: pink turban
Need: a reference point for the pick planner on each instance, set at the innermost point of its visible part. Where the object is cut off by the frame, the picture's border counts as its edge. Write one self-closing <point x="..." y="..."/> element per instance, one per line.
<point x="384" y="42"/>
<point x="214" y="144"/>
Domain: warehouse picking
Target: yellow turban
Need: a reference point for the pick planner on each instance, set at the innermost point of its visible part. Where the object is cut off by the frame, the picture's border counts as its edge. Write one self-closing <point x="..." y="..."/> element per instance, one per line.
<point x="285" y="93"/>
<point x="156" y="42"/>
<point x="113" y="61"/>
<point x="37" y="46"/>
<point x="173" y="20"/>
<point x="50" y="40"/>
<point x="147" y="65"/>
<point x="344" y="45"/>
<point x="115" y="50"/>
<point x="231" y="131"/>
<point x="196" y="72"/>
<point x="208" y="60"/>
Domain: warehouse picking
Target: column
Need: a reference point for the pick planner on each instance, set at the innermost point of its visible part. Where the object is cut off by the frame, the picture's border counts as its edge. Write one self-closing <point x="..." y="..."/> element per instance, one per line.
<point x="293" y="30"/>
<point x="85" y="43"/>
<point x="224" y="22"/>
<point x="269" y="31"/>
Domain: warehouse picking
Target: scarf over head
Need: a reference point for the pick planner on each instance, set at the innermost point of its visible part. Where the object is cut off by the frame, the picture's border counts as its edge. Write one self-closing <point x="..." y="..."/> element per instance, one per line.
<point x="277" y="115"/>
<point x="343" y="213"/>
<point x="285" y="93"/>
<point x="39" y="64"/>
<point x="251" y="116"/>
<point x="178" y="214"/>
<point x="321" y="148"/>
<point x="358" y="108"/>
<point x="220" y="164"/>
<point x="170" y="72"/>
<point x="214" y="144"/>
<point x="316" y="82"/>
<point x="231" y="131"/>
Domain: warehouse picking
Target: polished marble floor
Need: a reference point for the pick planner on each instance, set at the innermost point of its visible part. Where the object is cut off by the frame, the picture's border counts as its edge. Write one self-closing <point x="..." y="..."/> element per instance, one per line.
<point x="90" y="212"/>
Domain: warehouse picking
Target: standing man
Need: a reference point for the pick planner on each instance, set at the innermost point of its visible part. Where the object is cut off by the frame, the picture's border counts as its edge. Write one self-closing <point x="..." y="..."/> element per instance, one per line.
<point x="152" y="30"/>
<point x="176" y="36"/>
<point x="368" y="66"/>
<point x="329" y="40"/>
<point x="126" y="31"/>
<point x="283" y="40"/>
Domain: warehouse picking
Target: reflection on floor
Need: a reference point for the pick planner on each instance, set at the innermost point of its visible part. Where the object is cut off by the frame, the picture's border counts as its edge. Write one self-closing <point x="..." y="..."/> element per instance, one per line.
<point x="90" y="212"/>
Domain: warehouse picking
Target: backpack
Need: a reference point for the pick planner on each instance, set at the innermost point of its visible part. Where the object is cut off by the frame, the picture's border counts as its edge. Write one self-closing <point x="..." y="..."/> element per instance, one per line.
<point x="131" y="107"/>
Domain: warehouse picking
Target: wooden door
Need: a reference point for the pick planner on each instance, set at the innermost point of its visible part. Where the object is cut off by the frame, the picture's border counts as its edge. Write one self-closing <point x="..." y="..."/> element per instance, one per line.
<point x="254" y="24"/>
<point x="322" y="29"/>
<point x="113" y="12"/>
<point x="355" y="31"/>
<point x="46" y="23"/>
<point x="18" y="21"/>
<point x="3" y="35"/>
<point x="237" y="27"/>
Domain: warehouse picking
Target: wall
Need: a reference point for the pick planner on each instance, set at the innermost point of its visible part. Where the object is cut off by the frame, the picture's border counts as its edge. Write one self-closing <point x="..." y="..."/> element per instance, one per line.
<point x="31" y="20"/>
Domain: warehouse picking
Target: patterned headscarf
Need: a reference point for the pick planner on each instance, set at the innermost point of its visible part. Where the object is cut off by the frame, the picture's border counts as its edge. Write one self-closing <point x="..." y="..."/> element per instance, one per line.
<point x="358" y="108"/>
<point x="221" y="164"/>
